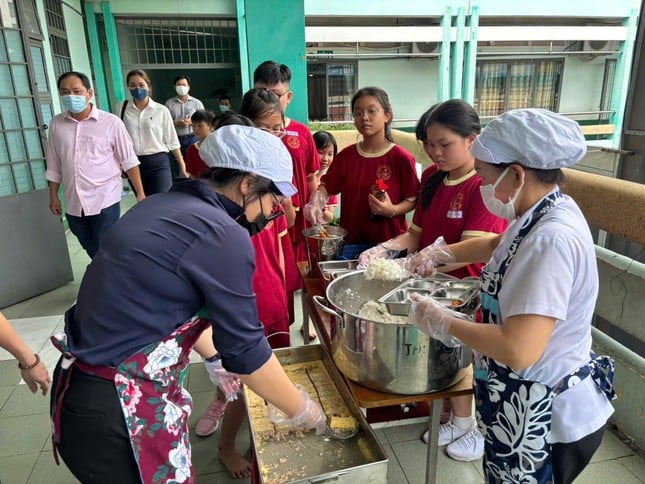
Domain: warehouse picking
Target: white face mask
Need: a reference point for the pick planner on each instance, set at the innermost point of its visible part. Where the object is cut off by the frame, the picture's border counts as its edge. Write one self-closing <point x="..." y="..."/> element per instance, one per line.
<point x="496" y="206"/>
<point x="181" y="90"/>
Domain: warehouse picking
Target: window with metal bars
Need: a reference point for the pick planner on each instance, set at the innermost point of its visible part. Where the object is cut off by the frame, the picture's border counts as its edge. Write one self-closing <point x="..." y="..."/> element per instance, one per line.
<point x="58" y="36"/>
<point x="178" y="42"/>
<point x="504" y="85"/>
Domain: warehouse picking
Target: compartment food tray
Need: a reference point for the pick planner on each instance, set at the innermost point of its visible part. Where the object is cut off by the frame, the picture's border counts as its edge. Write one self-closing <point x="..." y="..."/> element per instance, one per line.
<point x="454" y="293"/>
<point x="306" y="457"/>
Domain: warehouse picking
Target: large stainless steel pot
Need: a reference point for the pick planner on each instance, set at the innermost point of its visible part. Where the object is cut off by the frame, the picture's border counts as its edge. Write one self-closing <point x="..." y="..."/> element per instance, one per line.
<point x="389" y="357"/>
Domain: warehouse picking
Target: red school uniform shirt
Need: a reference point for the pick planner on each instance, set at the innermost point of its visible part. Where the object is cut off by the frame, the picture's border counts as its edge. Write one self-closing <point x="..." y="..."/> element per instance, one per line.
<point x="353" y="173"/>
<point x="304" y="155"/>
<point x="457" y="210"/>
<point x="269" y="283"/>
<point x="194" y="163"/>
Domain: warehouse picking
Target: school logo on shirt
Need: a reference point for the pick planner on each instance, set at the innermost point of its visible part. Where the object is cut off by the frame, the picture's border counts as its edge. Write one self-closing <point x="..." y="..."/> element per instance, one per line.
<point x="383" y="172"/>
<point x="456" y="206"/>
<point x="293" y="142"/>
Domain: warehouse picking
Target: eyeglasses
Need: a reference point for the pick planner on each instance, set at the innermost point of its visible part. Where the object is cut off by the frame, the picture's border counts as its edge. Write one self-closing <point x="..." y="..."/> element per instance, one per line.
<point x="276" y="212"/>
<point x="371" y="113"/>
<point x="280" y="133"/>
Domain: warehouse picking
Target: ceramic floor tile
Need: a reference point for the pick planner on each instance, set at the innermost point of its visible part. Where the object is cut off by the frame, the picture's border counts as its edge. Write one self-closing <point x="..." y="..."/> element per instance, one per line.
<point x="23" y="435"/>
<point x="394" y="471"/>
<point x="9" y="373"/>
<point x="402" y="433"/>
<point x="46" y="470"/>
<point x="16" y="310"/>
<point x="607" y="472"/>
<point x="611" y="448"/>
<point x="33" y="331"/>
<point x="23" y="402"/>
<point x="53" y="302"/>
<point x="5" y="392"/>
<point x="411" y="456"/>
<point x="16" y="469"/>
<point x="198" y="380"/>
<point x="635" y="464"/>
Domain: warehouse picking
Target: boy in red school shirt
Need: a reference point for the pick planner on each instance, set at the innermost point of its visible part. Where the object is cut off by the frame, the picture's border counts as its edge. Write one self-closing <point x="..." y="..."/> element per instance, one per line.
<point x="276" y="77"/>
<point x="202" y="126"/>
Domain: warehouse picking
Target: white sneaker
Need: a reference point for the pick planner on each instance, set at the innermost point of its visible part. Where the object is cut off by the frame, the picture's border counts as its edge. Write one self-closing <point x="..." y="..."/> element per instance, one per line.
<point x="468" y="447"/>
<point x="448" y="433"/>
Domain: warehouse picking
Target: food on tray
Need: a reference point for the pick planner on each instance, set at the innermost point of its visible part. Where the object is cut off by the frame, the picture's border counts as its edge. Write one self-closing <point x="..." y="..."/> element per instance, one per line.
<point x="385" y="269"/>
<point x="456" y="303"/>
<point x="313" y="377"/>
<point x="376" y="311"/>
<point x="343" y="424"/>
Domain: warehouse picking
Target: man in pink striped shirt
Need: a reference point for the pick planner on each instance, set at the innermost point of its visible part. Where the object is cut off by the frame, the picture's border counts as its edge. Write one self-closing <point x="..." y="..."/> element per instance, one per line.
<point x="87" y="150"/>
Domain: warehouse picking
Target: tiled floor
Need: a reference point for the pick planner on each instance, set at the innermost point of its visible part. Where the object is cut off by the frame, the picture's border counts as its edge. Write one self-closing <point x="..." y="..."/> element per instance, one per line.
<point x="25" y="449"/>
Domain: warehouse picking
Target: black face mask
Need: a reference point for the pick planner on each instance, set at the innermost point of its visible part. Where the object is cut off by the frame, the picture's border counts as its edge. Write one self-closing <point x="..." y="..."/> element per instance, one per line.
<point x="260" y="221"/>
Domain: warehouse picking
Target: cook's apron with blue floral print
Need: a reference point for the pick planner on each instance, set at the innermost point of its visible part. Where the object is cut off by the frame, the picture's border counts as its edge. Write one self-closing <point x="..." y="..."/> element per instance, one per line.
<point x="515" y="413"/>
<point x="155" y="405"/>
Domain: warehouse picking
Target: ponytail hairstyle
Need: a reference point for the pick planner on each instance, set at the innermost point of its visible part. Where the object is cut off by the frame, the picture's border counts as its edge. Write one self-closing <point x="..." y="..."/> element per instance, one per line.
<point x="383" y="99"/>
<point x="456" y="115"/>
<point x="259" y="103"/>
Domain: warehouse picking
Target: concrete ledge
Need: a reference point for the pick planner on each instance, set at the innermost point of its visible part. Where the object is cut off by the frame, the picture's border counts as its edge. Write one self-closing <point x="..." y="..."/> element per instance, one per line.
<point x="609" y="204"/>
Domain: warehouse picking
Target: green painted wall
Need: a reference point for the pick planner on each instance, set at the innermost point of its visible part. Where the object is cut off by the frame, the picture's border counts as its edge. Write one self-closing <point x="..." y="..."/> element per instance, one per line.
<point x="276" y="31"/>
<point x="141" y="8"/>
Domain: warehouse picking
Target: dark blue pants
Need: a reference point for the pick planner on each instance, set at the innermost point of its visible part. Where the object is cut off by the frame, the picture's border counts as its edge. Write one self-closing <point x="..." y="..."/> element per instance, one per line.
<point x="185" y="141"/>
<point x="90" y="229"/>
<point x="155" y="173"/>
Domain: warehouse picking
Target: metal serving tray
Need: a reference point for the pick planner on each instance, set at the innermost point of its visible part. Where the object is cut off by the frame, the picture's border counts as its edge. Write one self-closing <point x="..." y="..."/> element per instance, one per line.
<point x="331" y="269"/>
<point x="454" y="293"/>
<point x="307" y="457"/>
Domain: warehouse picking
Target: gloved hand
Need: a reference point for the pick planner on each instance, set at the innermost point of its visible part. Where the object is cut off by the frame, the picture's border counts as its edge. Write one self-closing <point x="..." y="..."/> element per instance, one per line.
<point x="309" y="416"/>
<point x="385" y="250"/>
<point x="228" y="382"/>
<point x="433" y="318"/>
<point x="314" y="209"/>
<point x="426" y="261"/>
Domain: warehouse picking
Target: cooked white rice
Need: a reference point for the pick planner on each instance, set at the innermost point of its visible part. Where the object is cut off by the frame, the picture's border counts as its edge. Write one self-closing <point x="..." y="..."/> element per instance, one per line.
<point x="376" y="311"/>
<point x="385" y="269"/>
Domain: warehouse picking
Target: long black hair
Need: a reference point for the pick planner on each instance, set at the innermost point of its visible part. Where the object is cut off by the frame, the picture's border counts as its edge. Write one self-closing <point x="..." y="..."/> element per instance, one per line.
<point x="456" y="115"/>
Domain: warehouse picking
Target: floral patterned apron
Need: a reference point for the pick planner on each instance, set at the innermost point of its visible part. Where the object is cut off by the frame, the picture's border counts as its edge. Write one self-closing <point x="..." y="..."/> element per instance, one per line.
<point x="515" y="413"/>
<point x="155" y="405"/>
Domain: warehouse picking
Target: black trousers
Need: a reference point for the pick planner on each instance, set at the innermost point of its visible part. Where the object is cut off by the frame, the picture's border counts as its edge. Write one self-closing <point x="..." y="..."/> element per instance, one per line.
<point x="94" y="439"/>
<point x="155" y="173"/>
<point x="570" y="459"/>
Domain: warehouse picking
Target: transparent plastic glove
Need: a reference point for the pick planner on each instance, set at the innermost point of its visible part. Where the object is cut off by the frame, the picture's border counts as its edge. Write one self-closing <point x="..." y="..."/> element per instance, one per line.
<point x="314" y="209"/>
<point x="228" y="382"/>
<point x="386" y="250"/>
<point x="310" y="415"/>
<point x="426" y="261"/>
<point x="433" y="319"/>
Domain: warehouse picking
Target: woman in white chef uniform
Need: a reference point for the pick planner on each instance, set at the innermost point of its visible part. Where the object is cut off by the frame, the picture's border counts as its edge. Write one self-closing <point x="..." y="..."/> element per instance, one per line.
<point x="542" y="397"/>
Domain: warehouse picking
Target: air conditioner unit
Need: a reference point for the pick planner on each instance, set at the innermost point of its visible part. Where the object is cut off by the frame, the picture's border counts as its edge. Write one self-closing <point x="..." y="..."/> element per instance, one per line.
<point x="600" y="46"/>
<point x="425" y="47"/>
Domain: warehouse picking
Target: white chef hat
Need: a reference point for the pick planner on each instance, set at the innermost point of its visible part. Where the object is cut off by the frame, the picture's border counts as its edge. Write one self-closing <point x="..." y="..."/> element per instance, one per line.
<point x="250" y="149"/>
<point x="534" y="138"/>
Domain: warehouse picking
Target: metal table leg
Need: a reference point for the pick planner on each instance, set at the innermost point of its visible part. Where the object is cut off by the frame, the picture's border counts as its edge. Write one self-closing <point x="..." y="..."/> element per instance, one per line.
<point x="433" y="442"/>
<point x="305" y="316"/>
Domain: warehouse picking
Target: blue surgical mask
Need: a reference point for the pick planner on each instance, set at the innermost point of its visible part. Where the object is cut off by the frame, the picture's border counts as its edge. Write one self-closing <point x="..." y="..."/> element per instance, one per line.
<point x="223" y="108"/>
<point x="139" y="94"/>
<point x="74" y="103"/>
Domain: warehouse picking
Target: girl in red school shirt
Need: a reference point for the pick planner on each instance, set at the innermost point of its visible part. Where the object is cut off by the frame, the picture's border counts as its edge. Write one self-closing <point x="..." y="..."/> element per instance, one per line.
<point x="377" y="180"/>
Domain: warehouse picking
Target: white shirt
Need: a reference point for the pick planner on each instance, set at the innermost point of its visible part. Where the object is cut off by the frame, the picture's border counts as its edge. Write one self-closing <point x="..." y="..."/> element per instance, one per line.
<point x="554" y="274"/>
<point x="152" y="130"/>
